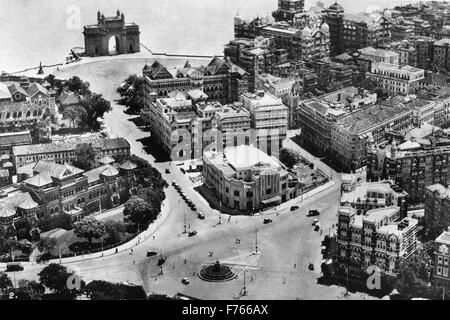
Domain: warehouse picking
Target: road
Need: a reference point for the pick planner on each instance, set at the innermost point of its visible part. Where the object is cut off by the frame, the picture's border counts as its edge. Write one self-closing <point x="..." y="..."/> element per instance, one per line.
<point x="286" y="246"/>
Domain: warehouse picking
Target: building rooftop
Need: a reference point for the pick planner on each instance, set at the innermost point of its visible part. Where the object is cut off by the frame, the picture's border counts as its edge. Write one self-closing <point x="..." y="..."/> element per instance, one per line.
<point x="4" y="92"/>
<point x="244" y="156"/>
<point x="56" y="170"/>
<point x="370" y="51"/>
<point x="444" y="237"/>
<point x="376" y="215"/>
<point x="361" y="191"/>
<point x="366" y="118"/>
<point x="15" y="138"/>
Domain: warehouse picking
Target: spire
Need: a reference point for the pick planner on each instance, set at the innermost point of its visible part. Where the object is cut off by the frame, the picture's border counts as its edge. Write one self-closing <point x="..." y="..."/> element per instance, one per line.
<point x="118" y="13"/>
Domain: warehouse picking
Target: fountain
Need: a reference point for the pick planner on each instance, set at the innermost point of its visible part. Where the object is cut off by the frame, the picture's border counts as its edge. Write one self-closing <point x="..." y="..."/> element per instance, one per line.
<point x="216" y="272"/>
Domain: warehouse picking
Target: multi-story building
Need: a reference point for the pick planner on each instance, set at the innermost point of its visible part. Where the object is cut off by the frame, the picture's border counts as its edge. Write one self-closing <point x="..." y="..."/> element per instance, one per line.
<point x="234" y="125"/>
<point x="437" y="205"/>
<point x="317" y="117"/>
<point x="402" y="31"/>
<point x="441" y="274"/>
<point x="424" y="47"/>
<point x="441" y="54"/>
<point x="48" y="189"/>
<point x="412" y="166"/>
<point x="288" y="9"/>
<point x="381" y="237"/>
<point x="355" y="31"/>
<point x="378" y="55"/>
<point x="407" y="53"/>
<point x="256" y="56"/>
<point x="269" y="120"/>
<point x="394" y="79"/>
<point x="365" y="196"/>
<point x="64" y="151"/>
<point x="246" y="179"/>
<point x="340" y="73"/>
<point x="350" y="133"/>
<point x="220" y="80"/>
<point x="307" y="43"/>
<point x="276" y="86"/>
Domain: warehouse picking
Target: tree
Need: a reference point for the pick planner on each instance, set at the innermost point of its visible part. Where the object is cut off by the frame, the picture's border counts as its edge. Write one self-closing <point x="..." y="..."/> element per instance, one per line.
<point x="5" y="282"/>
<point x="74" y="114"/>
<point x="114" y="230"/>
<point x="289" y="157"/>
<point x="90" y="228"/>
<point x="103" y="290"/>
<point x="47" y="245"/>
<point x="132" y="93"/>
<point x="137" y="210"/>
<point x="39" y="132"/>
<point x="54" y="277"/>
<point x="29" y="290"/>
<point x="96" y="106"/>
<point x="77" y="86"/>
<point x="84" y="156"/>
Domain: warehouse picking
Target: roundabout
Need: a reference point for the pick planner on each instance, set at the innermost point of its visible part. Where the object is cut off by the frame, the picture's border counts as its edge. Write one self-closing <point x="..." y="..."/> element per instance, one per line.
<point x="216" y="272"/>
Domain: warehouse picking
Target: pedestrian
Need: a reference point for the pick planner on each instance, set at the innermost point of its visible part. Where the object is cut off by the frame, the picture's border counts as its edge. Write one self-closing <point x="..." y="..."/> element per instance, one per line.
<point x="153" y="237"/>
<point x="184" y="261"/>
<point x="295" y="265"/>
<point x="134" y="261"/>
<point x="173" y="266"/>
<point x="117" y="250"/>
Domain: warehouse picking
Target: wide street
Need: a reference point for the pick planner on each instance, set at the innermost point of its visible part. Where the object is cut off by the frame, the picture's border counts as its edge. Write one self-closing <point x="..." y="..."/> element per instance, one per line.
<point x="285" y="247"/>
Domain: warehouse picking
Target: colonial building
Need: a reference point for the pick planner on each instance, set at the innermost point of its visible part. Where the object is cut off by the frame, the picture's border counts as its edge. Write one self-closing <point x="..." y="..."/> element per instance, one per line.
<point x="394" y="79"/>
<point x="269" y="120"/>
<point x="64" y="151"/>
<point x="288" y="9"/>
<point x="246" y="179"/>
<point x="365" y="196"/>
<point x="441" y="54"/>
<point x="437" y="205"/>
<point x="316" y="117"/>
<point x="355" y="31"/>
<point x="308" y="43"/>
<point x="220" y="80"/>
<point x="48" y="189"/>
<point x="441" y="274"/>
<point x="351" y="132"/>
<point x="412" y="166"/>
<point x="380" y="237"/>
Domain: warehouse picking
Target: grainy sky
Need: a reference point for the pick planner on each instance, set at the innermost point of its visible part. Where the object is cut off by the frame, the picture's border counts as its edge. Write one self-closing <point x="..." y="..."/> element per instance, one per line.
<point x="37" y="30"/>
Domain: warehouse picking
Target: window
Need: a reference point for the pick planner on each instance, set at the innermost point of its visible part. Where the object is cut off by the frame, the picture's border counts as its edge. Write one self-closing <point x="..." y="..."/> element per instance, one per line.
<point x="227" y="190"/>
<point x="236" y="193"/>
<point x="445" y="272"/>
<point x="439" y="259"/>
<point x="439" y="271"/>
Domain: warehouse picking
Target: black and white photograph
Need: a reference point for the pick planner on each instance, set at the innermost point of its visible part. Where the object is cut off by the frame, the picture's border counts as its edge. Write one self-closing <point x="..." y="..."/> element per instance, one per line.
<point x="224" y="151"/>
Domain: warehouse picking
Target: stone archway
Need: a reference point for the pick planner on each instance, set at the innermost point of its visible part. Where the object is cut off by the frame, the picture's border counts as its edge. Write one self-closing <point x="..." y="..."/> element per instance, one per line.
<point x="114" y="45"/>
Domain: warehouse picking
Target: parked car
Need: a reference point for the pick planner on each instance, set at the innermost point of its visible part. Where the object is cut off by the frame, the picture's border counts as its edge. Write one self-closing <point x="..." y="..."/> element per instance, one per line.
<point x="313" y="213"/>
<point x="161" y="261"/>
<point x="151" y="253"/>
<point x="167" y="171"/>
<point x="317" y="227"/>
<point x="13" y="266"/>
<point x="185" y="281"/>
<point x="201" y="216"/>
<point x="192" y="233"/>
<point x="174" y="183"/>
<point x="315" y="221"/>
<point x="311" y="266"/>
<point x="293" y="208"/>
<point x="266" y="221"/>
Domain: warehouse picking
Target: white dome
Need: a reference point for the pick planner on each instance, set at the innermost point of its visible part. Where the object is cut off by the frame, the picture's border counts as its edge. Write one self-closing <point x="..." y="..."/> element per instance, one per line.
<point x="238" y="19"/>
<point x="306" y="33"/>
<point x="325" y="27"/>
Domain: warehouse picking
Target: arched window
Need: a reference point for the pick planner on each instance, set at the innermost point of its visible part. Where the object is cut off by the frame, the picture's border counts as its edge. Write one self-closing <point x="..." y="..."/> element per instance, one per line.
<point x="14" y="114"/>
<point x="35" y="113"/>
<point x="28" y="113"/>
<point x="8" y="115"/>
<point x="19" y="115"/>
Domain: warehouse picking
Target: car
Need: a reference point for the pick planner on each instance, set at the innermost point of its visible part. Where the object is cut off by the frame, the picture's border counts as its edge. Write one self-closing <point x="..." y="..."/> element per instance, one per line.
<point x="151" y="253"/>
<point x="185" y="281"/>
<point x="182" y="170"/>
<point x="266" y="221"/>
<point x="174" y="183"/>
<point x="313" y="213"/>
<point x="192" y="233"/>
<point x="293" y="208"/>
<point x="311" y="266"/>
<point x="180" y="164"/>
<point x="14" y="266"/>
<point x="167" y="171"/>
<point x="161" y="261"/>
<point x="315" y="222"/>
<point x="317" y="227"/>
<point x="201" y="216"/>
<point x="193" y="208"/>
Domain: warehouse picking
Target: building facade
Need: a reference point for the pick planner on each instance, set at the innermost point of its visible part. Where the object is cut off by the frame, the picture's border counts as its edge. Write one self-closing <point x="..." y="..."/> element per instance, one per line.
<point x="380" y="237"/>
<point x="246" y="179"/>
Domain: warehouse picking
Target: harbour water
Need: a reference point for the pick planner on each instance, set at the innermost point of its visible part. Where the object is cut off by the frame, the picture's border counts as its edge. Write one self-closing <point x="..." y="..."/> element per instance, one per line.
<point x="45" y="30"/>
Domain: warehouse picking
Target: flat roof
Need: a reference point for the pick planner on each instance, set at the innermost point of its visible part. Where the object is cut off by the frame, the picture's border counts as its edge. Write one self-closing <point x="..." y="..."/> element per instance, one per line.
<point x="244" y="156"/>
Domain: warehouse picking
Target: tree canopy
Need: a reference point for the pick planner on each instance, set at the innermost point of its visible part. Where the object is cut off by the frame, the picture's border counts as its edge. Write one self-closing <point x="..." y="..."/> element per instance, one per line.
<point x="132" y="93"/>
<point x="78" y="86"/>
<point x="103" y="290"/>
<point x="75" y="114"/>
<point x="89" y="228"/>
<point x="96" y="107"/>
<point x="139" y="211"/>
<point x="289" y="157"/>
<point x="84" y="156"/>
